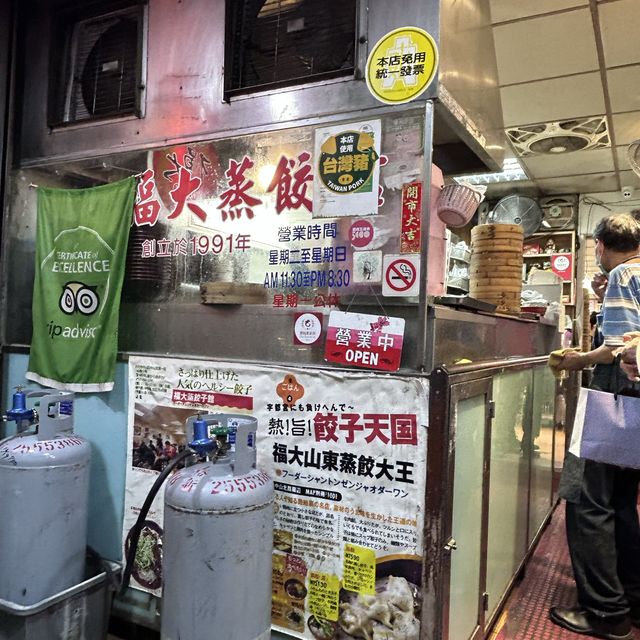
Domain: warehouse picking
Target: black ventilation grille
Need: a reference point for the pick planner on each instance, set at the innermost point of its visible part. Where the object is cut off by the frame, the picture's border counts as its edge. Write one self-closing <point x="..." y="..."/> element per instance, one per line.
<point x="103" y="68"/>
<point x="278" y="42"/>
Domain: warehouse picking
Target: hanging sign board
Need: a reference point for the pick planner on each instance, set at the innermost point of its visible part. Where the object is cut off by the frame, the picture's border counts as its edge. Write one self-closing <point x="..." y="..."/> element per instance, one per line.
<point x="401" y="65"/>
<point x="361" y="340"/>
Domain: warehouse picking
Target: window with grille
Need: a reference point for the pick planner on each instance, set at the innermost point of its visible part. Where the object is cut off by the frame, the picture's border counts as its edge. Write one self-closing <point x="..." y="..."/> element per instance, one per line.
<point x="97" y="70"/>
<point x="273" y="43"/>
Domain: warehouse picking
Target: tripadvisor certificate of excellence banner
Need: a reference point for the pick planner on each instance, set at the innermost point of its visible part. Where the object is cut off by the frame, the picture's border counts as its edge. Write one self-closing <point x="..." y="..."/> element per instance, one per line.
<point x="81" y="245"/>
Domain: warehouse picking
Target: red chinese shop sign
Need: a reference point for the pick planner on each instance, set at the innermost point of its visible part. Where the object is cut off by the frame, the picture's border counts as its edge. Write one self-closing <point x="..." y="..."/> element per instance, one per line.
<point x="411" y="218"/>
<point x="361" y="340"/>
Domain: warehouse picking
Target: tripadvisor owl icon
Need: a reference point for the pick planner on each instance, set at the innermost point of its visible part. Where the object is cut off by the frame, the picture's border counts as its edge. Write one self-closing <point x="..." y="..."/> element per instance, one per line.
<point x="347" y="160"/>
<point x="78" y="297"/>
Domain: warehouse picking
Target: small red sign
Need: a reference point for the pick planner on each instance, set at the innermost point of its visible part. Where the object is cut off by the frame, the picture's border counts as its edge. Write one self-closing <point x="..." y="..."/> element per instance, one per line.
<point x="562" y="265"/>
<point x="410" y="233"/>
<point x="361" y="233"/>
<point x="361" y="340"/>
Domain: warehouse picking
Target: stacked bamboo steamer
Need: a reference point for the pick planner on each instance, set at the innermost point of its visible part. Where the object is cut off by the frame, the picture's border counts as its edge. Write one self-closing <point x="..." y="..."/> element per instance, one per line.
<point x="495" y="274"/>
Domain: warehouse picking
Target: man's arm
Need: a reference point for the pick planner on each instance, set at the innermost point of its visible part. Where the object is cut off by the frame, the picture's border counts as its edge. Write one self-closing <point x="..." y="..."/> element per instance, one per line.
<point x="574" y="360"/>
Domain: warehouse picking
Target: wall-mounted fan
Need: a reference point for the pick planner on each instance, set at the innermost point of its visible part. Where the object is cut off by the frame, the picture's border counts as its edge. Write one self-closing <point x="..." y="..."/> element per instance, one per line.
<point x="559" y="212"/>
<point x="516" y="209"/>
<point x="633" y="156"/>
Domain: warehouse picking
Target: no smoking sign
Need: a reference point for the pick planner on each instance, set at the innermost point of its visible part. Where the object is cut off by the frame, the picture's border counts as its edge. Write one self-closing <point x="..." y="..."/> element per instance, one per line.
<point x="401" y="275"/>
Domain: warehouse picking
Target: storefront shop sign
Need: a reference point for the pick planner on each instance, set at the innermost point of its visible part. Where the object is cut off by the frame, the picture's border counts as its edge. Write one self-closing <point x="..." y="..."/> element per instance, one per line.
<point x="348" y="169"/>
<point x="348" y="457"/>
<point x="363" y="340"/>
<point x="241" y="210"/>
<point x="401" y="65"/>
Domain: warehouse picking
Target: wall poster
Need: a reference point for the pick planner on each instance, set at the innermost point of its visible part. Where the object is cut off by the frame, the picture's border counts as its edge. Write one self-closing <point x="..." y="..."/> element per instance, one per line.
<point x="347" y="452"/>
<point x="348" y="171"/>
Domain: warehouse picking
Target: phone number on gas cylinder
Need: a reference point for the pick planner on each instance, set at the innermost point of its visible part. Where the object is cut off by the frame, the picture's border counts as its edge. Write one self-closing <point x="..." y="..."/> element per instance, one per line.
<point x="300" y="279"/>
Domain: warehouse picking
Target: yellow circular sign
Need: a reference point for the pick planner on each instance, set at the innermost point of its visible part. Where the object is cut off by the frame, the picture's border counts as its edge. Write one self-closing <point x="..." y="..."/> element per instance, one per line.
<point x="402" y="65"/>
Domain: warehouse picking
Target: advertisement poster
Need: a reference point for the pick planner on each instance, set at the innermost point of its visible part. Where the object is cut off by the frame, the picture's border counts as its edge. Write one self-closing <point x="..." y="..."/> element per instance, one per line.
<point x="348" y="169"/>
<point x="347" y="452"/>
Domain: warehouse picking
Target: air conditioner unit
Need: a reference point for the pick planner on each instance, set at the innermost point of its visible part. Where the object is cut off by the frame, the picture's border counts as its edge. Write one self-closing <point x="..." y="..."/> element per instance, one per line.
<point x="559" y="212"/>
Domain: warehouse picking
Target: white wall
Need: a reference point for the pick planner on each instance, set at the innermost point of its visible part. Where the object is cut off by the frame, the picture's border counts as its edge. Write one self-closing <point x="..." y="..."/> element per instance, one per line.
<point x="595" y="206"/>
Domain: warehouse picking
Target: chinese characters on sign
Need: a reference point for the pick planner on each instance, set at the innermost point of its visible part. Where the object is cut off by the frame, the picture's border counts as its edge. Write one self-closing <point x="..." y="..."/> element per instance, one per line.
<point x="347" y="455"/>
<point x="401" y="65"/>
<point x="411" y="218"/>
<point x="348" y="169"/>
<point x="357" y="339"/>
<point x="268" y="210"/>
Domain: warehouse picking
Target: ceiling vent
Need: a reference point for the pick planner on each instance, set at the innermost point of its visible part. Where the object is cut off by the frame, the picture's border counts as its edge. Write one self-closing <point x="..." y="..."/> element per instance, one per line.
<point x="560" y="137"/>
<point x="102" y="74"/>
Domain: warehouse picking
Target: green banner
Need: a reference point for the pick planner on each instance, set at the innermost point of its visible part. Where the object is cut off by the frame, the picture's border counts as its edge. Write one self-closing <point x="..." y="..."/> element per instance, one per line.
<point x="81" y="247"/>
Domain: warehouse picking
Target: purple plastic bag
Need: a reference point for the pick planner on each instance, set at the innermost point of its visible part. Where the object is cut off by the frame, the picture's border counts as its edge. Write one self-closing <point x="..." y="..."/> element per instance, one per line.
<point x="607" y="428"/>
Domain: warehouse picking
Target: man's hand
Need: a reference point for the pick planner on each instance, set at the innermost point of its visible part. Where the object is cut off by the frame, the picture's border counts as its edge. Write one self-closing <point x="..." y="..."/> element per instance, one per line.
<point x="573" y="361"/>
<point x="599" y="285"/>
<point x="628" y="355"/>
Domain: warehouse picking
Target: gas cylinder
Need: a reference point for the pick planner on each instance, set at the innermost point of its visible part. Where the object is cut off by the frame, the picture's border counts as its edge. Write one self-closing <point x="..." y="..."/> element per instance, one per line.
<point x="218" y="540"/>
<point x="44" y="493"/>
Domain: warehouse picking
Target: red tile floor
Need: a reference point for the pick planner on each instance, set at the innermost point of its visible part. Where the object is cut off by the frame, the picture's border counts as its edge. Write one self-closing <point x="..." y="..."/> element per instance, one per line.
<point x="548" y="581"/>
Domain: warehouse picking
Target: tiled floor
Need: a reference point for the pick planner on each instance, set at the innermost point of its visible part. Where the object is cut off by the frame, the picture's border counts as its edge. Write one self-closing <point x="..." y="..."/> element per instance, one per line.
<point x="548" y="581"/>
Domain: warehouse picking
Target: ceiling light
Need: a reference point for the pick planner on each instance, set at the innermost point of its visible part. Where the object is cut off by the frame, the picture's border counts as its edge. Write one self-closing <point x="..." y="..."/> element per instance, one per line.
<point x="512" y="171"/>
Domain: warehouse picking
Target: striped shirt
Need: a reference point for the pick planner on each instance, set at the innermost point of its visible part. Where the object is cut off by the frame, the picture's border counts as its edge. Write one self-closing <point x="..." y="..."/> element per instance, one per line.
<point x="621" y="305"/>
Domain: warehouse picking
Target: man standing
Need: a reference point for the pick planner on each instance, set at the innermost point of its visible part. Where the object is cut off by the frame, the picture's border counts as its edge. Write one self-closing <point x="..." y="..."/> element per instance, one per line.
<point x="603" y="531"/>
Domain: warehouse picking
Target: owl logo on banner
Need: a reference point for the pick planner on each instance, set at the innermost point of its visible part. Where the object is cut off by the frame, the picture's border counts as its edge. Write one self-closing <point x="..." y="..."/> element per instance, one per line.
<point x="79" y="297"/>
